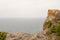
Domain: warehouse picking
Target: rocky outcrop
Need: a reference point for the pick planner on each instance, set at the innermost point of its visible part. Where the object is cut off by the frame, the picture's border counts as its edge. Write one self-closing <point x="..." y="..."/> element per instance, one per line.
<point x="51" y="16"/>
<point x="26" y="36"/>
<point x="52" y="23"/>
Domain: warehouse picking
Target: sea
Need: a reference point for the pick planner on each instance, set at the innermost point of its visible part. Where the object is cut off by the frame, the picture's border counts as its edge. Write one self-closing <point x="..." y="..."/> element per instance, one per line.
<point x="28" y="25"/>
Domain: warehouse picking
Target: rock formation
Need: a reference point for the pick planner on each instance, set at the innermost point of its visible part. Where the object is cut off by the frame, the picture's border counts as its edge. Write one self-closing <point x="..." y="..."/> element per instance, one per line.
<point x="52" y="23"/>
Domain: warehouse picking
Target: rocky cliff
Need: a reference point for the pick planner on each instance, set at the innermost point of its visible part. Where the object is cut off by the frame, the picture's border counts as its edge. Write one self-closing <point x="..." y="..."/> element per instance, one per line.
<point x="51" y="30"/>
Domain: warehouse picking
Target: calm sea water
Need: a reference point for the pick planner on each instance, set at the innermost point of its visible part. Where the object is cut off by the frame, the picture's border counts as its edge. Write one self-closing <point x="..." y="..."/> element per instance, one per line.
<point x="31" y="25"/>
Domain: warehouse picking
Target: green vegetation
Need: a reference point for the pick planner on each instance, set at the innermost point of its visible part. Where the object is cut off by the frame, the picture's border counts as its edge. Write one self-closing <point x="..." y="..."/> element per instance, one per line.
<point x="53" y="30"/>
<point x="58" y="28"/>
<point x="49" y="23"/>
<point x="2" y="35"/>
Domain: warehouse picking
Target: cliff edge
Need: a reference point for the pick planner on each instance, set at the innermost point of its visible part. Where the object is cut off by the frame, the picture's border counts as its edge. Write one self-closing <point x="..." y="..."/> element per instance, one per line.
<point x="51" y="30"/>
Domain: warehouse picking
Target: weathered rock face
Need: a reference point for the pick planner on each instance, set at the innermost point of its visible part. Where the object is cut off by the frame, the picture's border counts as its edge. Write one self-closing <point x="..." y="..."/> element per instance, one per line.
<point x="26" y="36"/>
<point x="52" y="23"/>
<point x="51" y="29"/>
<point x="53" y="15"/>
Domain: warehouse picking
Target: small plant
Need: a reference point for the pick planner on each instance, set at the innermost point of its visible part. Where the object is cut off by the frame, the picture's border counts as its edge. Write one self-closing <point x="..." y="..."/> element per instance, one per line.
<point x="49" y="23"/>
<point x="58" y="28"/>
<point x="53" y="30"/>
<point x="2" y="35"/>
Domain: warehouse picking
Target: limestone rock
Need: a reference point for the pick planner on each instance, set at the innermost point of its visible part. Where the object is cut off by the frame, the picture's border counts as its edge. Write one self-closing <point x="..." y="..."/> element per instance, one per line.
<point x="52" y="15"/>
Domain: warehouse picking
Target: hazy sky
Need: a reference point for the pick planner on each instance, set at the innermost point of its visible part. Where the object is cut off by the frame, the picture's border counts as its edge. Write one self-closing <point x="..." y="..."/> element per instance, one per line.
<point x="27" y="8"/>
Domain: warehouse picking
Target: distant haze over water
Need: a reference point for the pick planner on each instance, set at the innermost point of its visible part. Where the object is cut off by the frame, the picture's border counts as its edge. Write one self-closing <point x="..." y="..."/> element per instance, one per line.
<point x="31" y="25"/>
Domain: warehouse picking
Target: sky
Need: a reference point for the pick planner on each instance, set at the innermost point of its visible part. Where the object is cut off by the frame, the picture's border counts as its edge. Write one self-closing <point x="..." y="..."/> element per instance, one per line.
<point x="27" y="8"/>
